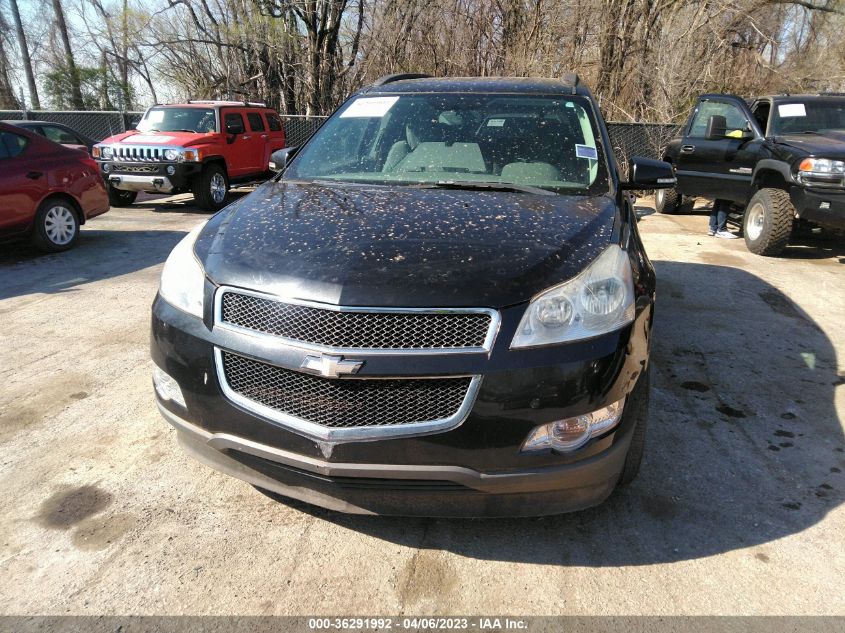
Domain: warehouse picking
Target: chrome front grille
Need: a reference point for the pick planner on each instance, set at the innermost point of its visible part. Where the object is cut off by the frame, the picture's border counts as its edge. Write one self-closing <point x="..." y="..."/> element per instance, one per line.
<point x="139" y="153"/>
<point x="352" y="329"/>
<point x="316" y="404"/>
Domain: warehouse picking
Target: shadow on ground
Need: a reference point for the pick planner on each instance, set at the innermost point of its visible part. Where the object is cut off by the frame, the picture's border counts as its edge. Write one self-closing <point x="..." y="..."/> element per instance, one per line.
<point x="744" y="447"/>
<point x="99" y="254"/>
<point x="180" y="203"/>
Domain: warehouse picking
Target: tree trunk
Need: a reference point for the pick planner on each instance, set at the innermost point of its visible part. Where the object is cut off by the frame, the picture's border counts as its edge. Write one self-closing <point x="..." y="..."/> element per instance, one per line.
<point x="7" y="95"/>
<point x="124" y="58"/>
<point x="75" y="88"/>
<point x="27" y="61"/>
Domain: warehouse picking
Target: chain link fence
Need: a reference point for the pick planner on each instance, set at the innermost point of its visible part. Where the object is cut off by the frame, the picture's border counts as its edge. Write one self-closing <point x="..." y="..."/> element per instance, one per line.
<point x="299" y="128"/>
<point x="94" y="125"/>
<point x="639" y="139"/>
<point x="627" y="139"/>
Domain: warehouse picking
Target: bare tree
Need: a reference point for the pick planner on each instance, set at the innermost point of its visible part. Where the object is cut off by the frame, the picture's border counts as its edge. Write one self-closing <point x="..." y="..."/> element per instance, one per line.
<point x="25" y="58"/>
<point x="70" y="62"/>
<point x="324" y="52"/>
<point x="8" y="100"/>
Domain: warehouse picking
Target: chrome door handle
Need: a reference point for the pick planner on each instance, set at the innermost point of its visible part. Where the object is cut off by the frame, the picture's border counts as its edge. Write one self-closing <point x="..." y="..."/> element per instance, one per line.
<point x="687" y="149"/>
<point x="263" y="136"/>
<point x="246" y="138"/>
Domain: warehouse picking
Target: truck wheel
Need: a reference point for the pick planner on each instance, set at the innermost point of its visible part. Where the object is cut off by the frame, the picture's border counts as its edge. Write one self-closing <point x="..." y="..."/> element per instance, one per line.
<point x="768" y="220"/>
<point x="120" y="198"/>
<point x="637" y="408"/>
<point x="56" y="226"/>
<point x="669" y="201"/>
<point x="210" y="188"/>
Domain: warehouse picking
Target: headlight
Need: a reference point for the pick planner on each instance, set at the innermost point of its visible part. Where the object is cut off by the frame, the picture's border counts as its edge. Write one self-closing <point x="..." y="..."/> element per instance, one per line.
<point x="171" y="154"/>
<point x="822" y="171"/>
<point x="598" y="301"/>
<point x="183" y="280"/>
<point x="106" y="152"/>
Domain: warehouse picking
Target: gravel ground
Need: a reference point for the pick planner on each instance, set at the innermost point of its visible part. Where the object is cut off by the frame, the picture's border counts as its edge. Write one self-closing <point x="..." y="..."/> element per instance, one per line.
<point x="738" y="508"/>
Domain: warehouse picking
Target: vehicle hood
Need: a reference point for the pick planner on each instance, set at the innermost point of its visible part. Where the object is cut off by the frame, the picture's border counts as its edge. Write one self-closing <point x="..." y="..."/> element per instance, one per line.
<point x="830" y="144"/>
<point x="394" y="246"/>
<point x="179" y="139"/>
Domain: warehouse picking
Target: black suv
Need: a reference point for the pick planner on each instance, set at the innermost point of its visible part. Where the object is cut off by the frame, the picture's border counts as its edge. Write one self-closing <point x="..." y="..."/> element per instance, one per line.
<point x="777" y="159"/>
<point x="441" y="306"/>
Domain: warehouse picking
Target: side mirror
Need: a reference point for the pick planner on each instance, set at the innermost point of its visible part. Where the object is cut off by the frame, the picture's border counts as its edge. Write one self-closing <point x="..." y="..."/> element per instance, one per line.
<point x="281" y="157"/>
<point x="647" y="173"/>
<point x="234" y="127"/>
<point x="717" y="127"/>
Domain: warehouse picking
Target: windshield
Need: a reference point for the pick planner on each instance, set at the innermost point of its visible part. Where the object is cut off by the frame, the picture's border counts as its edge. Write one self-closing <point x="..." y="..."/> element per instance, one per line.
<point x="532" y="141"/>
<point x="808" y="116"/>
<point x="178" y="120"/>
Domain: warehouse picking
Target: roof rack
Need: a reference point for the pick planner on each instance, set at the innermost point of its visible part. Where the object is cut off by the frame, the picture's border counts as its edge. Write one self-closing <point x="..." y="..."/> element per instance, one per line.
<point x="257" y="104"/>
<point x="389" y="79"/>
<point x="571" y="79"/>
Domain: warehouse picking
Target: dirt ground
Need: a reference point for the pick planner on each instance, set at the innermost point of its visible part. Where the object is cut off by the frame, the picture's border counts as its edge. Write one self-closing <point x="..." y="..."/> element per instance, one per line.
<point x="738" y="508"/>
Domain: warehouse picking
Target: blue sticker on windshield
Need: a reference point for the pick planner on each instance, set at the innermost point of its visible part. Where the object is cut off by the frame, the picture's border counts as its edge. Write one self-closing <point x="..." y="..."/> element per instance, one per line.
<point x="585" y="151"/>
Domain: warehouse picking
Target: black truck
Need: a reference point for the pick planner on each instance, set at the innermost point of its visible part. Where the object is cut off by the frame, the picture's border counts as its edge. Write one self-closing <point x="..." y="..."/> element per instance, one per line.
<point x="780" y="161"/>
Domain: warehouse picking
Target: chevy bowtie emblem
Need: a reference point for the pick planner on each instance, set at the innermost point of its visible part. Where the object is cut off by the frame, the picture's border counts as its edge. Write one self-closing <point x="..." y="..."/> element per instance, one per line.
<point x="331" y="366"/>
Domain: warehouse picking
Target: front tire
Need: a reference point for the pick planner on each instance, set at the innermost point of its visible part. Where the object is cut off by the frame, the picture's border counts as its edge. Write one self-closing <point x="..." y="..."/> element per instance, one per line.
<point x="211" y="188"/>
<point x="767" y="223"/>
<point x="120" y="198"/>
<point x="56" y="226"/>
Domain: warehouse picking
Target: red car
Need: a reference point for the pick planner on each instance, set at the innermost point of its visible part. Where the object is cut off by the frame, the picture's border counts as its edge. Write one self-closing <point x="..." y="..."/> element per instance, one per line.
<point x="46" y="190"/>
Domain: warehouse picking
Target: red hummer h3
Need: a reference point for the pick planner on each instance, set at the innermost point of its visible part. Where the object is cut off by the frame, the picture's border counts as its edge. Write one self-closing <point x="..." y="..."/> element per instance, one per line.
<point x="199" y="146"/>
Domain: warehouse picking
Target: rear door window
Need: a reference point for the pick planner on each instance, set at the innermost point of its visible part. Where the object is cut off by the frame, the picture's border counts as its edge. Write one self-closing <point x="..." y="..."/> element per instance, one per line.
<point x="13" y="144"/>
<point x="256" y="123"/>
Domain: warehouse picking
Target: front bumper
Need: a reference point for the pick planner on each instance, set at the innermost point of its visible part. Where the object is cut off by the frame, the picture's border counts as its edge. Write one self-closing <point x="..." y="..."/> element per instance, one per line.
<point x="824" y="207"/>
<point x="473" y="469"/>
<point x="155" y="177"/>
<point x="407" y="489"/>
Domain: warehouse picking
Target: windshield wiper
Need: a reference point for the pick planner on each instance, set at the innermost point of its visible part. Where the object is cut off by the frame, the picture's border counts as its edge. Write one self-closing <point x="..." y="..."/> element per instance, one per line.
<point x="483" y="184"/>
<point x="184" y="130"/>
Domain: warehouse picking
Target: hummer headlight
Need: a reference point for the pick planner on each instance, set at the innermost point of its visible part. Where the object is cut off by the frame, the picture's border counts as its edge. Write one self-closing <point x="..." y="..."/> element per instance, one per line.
<point x="106" y="152"/>
<point x="171" y="154"/>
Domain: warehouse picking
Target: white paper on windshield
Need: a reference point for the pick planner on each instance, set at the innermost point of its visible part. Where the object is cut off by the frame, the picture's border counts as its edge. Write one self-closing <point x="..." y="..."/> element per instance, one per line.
<point x="585" y="151"/>
<point x="155" y="116"/>
<point x="369" y="107"/>
<point x="142" y="138"/>
<point x="496" y="123"/>
<point x="791" y="109"/>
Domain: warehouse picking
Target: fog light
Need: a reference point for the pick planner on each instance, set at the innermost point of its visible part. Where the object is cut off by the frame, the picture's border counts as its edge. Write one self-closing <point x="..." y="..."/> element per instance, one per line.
<point x="106" y="168"/>
<point x="171" y="170"/>
<point x="572" y="433"/>
<point x="167" y="388"/>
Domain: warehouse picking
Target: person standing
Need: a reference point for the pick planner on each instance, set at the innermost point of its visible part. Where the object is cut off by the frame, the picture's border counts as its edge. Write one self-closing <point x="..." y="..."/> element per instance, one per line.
<point x="719" y="220"/>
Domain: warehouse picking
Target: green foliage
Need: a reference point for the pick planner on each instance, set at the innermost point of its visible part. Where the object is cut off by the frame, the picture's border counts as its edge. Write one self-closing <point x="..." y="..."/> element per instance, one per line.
<point x="100" y="89"/>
